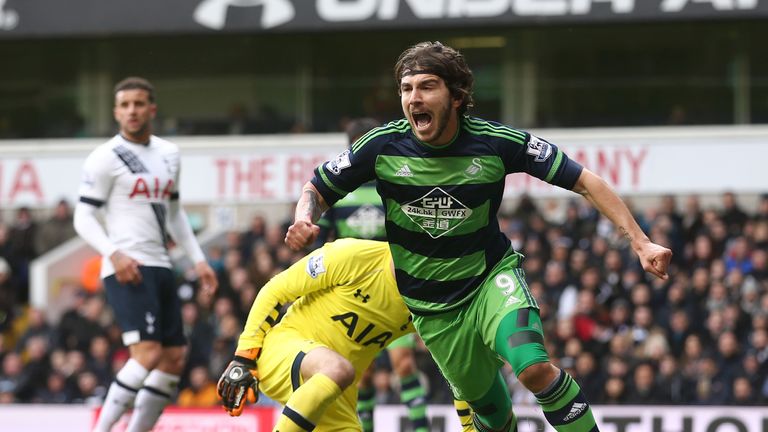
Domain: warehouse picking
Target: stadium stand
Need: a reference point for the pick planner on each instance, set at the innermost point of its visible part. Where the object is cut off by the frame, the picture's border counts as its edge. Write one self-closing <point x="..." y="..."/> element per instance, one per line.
<point x="699" y="338"/>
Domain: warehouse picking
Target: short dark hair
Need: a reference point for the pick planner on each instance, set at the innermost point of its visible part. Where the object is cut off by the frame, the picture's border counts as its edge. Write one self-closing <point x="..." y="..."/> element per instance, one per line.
<point x="443" y="61"/>
<point x="133" y="83"/>
<point x="359" y="127"/>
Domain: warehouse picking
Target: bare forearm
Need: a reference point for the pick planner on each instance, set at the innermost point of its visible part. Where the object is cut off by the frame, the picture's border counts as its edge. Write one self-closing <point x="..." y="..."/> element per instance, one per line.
<point x="310" y="205"/>
<point x="600" y="194"/>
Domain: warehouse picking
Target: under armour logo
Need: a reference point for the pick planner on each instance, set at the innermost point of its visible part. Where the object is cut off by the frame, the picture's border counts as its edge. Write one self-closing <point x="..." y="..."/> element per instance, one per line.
<point x="405" y="326"/>
<point x="359" y="293"/>
<point x="213" y="13"/>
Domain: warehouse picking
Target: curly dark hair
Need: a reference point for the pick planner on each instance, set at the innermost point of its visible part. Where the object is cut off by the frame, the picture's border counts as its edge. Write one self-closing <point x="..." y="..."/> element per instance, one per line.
<point x="133" y="83"/>
<point x="443" y="61"/>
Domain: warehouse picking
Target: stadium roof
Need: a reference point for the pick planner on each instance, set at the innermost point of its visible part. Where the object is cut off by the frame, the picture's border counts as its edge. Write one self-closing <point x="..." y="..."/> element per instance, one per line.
<point x="48" y="18"/>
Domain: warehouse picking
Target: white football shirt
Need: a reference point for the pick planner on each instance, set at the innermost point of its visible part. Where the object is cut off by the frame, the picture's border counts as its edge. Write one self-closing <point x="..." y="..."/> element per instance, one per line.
<point x="134" y="184"/>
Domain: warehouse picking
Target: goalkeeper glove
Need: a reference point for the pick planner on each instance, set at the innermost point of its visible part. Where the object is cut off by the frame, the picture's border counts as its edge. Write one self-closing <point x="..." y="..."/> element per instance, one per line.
<point x="239" y="382"/>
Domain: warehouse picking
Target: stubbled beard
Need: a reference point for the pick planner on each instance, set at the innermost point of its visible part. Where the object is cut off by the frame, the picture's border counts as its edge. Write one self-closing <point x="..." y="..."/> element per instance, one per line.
<point x="442" y="123"/>
<point x="141" y="130"/>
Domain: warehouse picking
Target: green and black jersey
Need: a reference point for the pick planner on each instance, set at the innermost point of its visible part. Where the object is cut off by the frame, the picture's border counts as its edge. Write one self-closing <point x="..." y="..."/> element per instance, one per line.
<point x="441" y="202"/>
<point x="360" y="214"/>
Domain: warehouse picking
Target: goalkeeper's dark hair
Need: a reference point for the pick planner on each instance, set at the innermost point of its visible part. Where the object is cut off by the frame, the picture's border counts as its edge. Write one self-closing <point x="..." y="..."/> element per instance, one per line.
<point x="443" y="61"/>
<point x="359" y="127"/>
<point x="134" y="83"/>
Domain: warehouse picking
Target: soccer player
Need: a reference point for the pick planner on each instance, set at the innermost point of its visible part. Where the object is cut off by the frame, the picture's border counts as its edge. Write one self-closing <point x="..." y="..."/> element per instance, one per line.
<point x="441" y="174"/>
<point x="134" y="179"/>
<point x="361" y="215"/>
<point x="346" y="310"/>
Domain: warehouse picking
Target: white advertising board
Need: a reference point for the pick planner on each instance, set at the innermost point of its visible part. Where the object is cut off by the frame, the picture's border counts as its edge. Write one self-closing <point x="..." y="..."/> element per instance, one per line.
<point x="609" y="418"/>
<point x="391" y="418"/>
<point x="272" y="169"/>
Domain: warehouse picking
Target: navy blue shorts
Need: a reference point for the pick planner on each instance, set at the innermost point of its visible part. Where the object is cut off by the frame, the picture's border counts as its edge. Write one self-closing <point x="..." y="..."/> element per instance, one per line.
<point x="148" y="311"/>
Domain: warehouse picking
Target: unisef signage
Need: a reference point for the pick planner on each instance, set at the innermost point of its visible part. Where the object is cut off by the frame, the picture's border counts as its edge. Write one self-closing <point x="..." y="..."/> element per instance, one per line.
<point x="20" y="18"/>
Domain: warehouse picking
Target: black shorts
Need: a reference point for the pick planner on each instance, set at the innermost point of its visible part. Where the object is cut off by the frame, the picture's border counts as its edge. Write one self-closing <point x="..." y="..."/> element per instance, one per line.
<point x="148" y="311"/>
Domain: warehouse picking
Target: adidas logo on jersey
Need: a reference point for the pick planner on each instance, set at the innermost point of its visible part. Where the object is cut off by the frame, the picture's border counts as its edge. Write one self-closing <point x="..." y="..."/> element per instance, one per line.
<point x="576" y="409"/>
<point x="404" y="171"/>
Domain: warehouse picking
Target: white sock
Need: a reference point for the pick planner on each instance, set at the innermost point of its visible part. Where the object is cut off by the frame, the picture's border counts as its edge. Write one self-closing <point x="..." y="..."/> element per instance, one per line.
<point x="158" y="391"/>
<point x="121" y="394"/>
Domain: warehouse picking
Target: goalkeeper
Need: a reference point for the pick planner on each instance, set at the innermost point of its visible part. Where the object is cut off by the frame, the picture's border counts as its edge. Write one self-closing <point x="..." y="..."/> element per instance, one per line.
<point x="346" y="310"/>
<point x="361" y="215"/>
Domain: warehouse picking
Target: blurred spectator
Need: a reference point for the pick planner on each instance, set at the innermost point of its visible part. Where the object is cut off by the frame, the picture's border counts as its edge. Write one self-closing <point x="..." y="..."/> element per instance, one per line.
<point x="36" y="368"/>
<point x="254" y="234"/>
<point x="644" y="330"/>
<point x="701" y="333"/>
<point x="37" y="326"/>
<point x="728" y="355"/>
<point x="760" y="261"/>
<point x="713" y="387"/>
<point x="590" y="321"/>
<point x="692" y="219"/>
<point x="614" y="392"/>
<point x="224" y="343"/>
<point x="7" y="294"/>
<point x="733" y="216"/>
<point x="99" y="360"/>
<point x="738" y="256"/>
<point x="201" y="392"/>
<point x="589" y="377"/>
<point x="674" y="388"/>
<point x="11" y="376"/>
<point x="56" y="230"/>
<point x="199" y="332"/>
<point x="743" y="393"/>
<point x="239" y="123"/>
<point x="55" y="391"/>
<point x="81" y="324"/>
<point x="701" y="253"/>
<point x="759" y="342"/>
<point x="643" y="390"/>
<point x="88" y="390"/>
<point x="21" y="241"/>
<point x="678" y="331"/>
<point x="383" y="381"/>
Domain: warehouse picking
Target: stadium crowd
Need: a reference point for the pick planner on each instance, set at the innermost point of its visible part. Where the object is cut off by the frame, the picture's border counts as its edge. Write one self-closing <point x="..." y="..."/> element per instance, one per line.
<point x="700" y="337"/>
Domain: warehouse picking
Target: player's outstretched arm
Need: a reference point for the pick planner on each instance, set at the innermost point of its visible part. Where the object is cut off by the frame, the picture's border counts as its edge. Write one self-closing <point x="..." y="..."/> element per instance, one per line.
<point x="653" y="257"/>
<point x="303" y="231"/>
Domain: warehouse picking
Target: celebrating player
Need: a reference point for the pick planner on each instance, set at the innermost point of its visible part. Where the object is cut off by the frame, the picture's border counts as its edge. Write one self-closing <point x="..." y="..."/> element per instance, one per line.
<point x="441" y="175"/>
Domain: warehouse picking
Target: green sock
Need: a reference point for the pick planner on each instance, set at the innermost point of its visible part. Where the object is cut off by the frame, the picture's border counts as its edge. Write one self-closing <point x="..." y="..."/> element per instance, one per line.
<point x="412" y="394"/>
<point x="565" y="406"/>
<point x="366" y="399"/>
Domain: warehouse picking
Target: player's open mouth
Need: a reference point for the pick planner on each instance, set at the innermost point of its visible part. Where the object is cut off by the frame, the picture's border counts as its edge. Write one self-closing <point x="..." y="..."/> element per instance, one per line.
<point x="422" y="120"/>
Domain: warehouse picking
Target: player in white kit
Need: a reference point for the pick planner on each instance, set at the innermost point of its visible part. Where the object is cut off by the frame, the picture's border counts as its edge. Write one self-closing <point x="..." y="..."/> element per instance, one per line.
<point x="133" y="178"/>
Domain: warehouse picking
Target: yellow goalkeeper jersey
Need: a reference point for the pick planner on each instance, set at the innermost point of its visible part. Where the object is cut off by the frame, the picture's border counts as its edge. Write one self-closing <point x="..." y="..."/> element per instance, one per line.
<point x="345" y="297"/>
